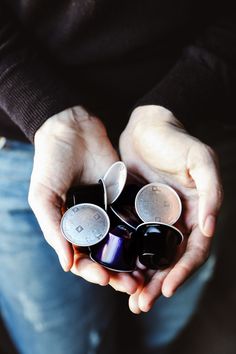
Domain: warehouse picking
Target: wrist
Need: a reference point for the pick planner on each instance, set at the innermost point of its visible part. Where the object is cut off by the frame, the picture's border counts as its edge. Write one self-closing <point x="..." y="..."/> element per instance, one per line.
<point x="151" y="118"/>
<point x="63" y="123"/>
<point x="155" y="114"/>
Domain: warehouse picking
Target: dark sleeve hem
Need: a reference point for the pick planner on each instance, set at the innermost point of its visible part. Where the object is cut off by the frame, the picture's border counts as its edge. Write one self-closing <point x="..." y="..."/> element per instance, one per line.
<point x="197" y="87"/>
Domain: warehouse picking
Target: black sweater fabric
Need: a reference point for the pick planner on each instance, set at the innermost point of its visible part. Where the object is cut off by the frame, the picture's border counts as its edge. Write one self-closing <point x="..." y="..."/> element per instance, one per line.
<point x="113" y="55"/>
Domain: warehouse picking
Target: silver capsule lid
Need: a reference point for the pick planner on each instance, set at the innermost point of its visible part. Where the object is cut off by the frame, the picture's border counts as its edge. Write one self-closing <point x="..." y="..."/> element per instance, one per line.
<point x="85" y="224"/>
<point x="101" y="180"/>
<point x="158" y="202"/>
<point x="115" y="179"/>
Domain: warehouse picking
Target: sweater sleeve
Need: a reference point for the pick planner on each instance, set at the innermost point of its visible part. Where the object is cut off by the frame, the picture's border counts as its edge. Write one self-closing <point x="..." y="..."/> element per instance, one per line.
<point x="202" y="83"/>
<point x="30" y="89"/>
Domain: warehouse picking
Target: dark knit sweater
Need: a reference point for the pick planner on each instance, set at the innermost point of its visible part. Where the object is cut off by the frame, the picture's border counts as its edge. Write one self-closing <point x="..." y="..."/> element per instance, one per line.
<point x="113" y="55"/>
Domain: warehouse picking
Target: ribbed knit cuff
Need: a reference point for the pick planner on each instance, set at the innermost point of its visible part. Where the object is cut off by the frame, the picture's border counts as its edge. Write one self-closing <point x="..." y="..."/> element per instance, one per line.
<point x="30" y="94"/>
<point x="193" y="89"/>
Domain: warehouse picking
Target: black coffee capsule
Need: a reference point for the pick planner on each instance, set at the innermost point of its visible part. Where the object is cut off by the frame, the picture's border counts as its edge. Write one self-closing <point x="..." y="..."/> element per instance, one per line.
<point x="157" y="244"/>
<point x="91" y="193"/>
<point x="124" y="207"/>
<point x="117" y="251"/>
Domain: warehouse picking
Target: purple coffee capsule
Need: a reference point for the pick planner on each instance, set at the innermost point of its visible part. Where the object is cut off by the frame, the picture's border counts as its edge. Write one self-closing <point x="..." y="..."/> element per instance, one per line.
<point x="157" y="244"/>
<point x="117" y="251"/>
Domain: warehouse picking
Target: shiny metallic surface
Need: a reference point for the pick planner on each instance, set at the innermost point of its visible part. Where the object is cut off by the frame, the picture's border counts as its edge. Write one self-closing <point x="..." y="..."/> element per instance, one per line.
<point x="109" y="268"/>
<point x="146" y="224"/>
<point x="118" y="250"/>
<point x="85" y="224"/>
<point x="157" y="202"/>
<point x="124" y="208"/>
<point x="115" y="179"/>
<point x="158" y="244"/>
<point x="101" y="181"/>
<point x="126" y="216"/>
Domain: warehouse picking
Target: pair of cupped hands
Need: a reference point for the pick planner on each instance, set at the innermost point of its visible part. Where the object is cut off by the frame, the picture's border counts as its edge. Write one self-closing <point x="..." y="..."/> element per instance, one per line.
<point x="72" y="147"/>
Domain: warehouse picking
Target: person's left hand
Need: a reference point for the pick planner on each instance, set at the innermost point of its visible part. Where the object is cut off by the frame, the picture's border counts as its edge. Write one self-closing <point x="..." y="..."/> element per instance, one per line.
<point x="156" y="146"/>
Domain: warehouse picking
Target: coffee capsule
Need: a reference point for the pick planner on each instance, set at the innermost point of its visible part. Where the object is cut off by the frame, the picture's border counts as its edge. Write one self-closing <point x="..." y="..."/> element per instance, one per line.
<point x="124" y="207"/>
<point x="117" y="251"/>
<point x="85" y="224"/>
<point x="157" y="244"/>
<point x="101" y="181"/>
<point x="157" y="202"/>
<point x="115" y="179"/>
<point x="90" y="193"/>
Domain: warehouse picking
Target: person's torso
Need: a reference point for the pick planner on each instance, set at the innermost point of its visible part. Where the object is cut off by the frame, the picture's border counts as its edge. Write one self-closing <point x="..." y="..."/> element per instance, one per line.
<point x="113" y="51"/>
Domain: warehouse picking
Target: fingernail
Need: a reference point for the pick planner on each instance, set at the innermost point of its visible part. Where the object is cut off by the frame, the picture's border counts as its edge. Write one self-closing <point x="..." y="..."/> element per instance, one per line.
<point x="209" y="225"/>
<point x="168" y="292"/>
<point x="145" y="307"/>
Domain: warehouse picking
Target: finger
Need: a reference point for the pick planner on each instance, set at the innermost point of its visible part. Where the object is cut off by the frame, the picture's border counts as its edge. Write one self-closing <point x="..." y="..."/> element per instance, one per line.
<point x="152" y="290"/>
<point x="46" y="206"/>
<point x="133" y="302"/>
<point x="93" y="272"/>
<point x="126" y="282"/>
<point x="134" y="298"/>
<point x="197" y="252"/>
<point x="203" y="167"/>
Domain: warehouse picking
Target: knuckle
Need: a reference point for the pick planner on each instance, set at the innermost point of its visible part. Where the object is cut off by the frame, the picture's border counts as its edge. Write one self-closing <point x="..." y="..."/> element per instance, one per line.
<point x="202" y="254"/>
<point x="220" y="194"/>
<point x="208" y="153"/>
<point x="35" y="197"/>
<point x="48" y="239"/>
<point x="31" y="199"/>
<point x="211" y="151"/>
<point x="185" y="268"/>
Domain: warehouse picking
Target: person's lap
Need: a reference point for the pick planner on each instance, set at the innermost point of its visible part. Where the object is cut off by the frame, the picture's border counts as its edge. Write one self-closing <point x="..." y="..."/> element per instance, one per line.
<point x="45" y="309"/>
<point x="49" y="311"/>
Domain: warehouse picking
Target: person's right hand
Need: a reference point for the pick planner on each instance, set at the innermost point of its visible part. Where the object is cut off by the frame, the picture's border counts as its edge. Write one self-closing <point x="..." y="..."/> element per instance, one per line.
<point x="71" y="147"/>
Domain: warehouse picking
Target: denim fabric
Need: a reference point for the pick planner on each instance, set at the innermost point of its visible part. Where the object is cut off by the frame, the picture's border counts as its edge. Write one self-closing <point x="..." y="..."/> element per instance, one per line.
<point x="49" y="311"/>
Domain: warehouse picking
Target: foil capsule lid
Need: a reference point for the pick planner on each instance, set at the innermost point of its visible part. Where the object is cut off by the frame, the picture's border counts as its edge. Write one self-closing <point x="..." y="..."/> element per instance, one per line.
<point x="115" y="179"/>
<point x="158" y="202"/>
<point x="85" y="224"/>
<point x="101" y="181"/>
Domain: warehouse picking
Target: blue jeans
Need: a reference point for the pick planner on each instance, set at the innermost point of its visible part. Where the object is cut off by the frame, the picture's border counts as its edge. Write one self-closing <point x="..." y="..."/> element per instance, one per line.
<point x="49" y="311"/>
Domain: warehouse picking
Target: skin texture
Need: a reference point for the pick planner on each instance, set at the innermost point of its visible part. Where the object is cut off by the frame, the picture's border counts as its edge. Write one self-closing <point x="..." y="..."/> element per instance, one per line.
<point x="156" y="146"/>
<point x="72" y="147"/>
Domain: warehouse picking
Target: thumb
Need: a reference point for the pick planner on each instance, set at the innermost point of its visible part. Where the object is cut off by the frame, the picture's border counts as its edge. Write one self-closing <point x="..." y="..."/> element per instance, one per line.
<point x="203" y="168"/>
<point x="46" y="206"/>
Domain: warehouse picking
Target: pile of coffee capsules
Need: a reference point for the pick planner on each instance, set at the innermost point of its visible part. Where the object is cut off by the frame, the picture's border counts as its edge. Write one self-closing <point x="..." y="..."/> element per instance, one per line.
<point x="119" y="222"/>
